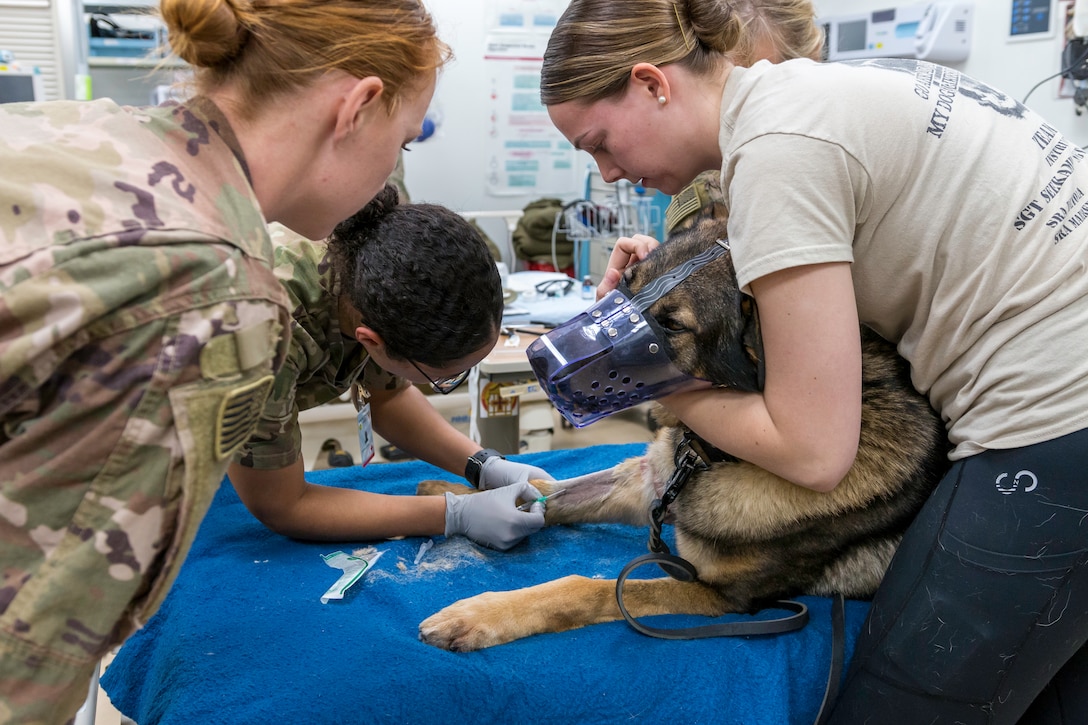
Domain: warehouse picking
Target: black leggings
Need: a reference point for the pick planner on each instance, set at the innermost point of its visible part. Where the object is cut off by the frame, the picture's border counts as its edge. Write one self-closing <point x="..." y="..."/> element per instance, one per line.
<point x="983" y="614"/>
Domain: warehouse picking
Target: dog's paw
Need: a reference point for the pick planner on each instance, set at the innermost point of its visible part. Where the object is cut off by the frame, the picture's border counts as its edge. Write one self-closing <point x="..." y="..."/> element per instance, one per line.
<point x="437" y="488"/>
<point x="470" y="624"/>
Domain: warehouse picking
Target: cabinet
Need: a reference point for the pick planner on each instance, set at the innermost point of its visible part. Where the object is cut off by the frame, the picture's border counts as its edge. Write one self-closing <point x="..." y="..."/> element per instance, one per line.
<point x="41" y="35"/>
<point x="52" y="37"/>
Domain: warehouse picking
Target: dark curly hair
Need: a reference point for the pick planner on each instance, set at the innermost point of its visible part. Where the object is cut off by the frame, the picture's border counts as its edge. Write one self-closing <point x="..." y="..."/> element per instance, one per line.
<point x="421" y="277"/>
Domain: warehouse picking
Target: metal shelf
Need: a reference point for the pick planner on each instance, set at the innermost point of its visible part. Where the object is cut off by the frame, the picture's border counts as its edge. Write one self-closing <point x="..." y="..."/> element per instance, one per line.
<point x="106" y="61"/>
<point x="129" y="8"/>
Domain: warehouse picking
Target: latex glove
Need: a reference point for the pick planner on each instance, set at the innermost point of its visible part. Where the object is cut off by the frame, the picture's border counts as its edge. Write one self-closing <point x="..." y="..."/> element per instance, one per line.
<point x="498" y="472"/>
<point x="492" y="518"/>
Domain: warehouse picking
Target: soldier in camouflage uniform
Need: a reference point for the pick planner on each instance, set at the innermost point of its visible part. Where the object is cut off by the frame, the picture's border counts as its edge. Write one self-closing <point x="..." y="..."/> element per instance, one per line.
<point x="401" y="294"/>
<point x="141" y="324"/>
<point x="136" y="316"/>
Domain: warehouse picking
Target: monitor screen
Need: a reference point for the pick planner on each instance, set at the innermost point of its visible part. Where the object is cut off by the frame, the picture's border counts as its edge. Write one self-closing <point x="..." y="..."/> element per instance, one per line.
<point x="852" y="36"/>
<point x="16" y="87"/>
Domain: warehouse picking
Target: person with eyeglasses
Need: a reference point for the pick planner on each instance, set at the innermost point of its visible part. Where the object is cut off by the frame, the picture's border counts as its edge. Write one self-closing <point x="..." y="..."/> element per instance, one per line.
<point x="398" y="294"/>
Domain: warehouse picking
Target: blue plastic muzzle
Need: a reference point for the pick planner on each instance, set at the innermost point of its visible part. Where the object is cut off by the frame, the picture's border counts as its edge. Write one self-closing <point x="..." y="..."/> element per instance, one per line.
<point x="612" y="356"/>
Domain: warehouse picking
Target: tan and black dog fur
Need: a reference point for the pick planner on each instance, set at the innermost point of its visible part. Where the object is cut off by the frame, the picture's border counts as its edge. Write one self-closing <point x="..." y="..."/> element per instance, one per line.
<point x="751" y="536"/>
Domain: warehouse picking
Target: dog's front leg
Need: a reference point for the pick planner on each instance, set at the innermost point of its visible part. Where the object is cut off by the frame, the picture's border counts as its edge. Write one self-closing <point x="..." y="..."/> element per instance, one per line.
<point x="492" y="618"/>
<point x="621" y="494"/>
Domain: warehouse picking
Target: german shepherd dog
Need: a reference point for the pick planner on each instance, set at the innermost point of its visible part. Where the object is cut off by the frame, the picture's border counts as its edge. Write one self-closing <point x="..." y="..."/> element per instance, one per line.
<point x="751" y="536"/>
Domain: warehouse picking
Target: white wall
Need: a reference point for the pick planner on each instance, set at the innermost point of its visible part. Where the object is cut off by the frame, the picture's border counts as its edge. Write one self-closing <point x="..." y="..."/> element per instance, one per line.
<point x="449" y="168"/>
<point x="446" y="167"/>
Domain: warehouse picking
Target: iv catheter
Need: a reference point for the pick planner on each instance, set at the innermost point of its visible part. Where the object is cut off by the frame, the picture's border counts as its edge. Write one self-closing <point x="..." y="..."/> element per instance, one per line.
<point x="525" y="506"/>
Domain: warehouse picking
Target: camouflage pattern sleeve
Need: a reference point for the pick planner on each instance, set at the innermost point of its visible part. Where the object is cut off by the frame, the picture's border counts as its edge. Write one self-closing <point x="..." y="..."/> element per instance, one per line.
<point x="140" y="330"/>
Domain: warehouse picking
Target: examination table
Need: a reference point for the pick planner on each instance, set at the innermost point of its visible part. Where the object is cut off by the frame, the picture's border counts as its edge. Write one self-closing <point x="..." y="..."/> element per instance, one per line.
<point x="243" y="637"/>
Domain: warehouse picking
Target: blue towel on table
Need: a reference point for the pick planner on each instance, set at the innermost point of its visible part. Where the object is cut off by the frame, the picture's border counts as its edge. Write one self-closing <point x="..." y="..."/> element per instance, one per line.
<point x="244" y="638"/>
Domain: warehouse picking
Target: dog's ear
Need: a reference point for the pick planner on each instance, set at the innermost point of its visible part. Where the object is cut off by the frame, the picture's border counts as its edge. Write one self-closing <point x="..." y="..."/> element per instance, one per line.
<point x="752" y="338"/>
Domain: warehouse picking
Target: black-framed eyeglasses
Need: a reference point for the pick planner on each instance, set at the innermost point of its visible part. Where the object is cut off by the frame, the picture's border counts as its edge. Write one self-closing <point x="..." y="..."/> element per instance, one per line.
<point x="554" y="287"/>
<point x="443" y="386"/>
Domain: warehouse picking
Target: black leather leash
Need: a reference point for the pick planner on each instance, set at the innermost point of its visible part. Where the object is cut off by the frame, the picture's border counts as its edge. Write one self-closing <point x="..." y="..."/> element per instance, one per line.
<point x="838" y="657"/>
<point x="691" y="455"/>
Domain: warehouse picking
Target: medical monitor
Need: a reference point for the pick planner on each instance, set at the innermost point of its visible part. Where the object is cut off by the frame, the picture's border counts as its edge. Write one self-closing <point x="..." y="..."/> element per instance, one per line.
<point x="18" y="86"/>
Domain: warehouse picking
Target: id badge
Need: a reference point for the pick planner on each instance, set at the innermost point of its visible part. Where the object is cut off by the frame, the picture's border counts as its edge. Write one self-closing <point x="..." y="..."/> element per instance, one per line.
<point x="366" y="433"/>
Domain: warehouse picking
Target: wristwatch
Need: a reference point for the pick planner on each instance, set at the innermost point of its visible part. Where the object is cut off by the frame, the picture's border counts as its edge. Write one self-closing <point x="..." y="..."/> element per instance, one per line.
<point x="475" y="464"/>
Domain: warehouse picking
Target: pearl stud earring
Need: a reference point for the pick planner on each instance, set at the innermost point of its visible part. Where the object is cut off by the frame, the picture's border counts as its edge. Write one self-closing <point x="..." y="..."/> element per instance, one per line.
<point x="662" y="100"/>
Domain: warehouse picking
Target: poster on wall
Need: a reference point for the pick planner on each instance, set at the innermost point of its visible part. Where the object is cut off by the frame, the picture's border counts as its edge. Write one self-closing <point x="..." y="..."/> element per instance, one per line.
<point x="525" y="154"/>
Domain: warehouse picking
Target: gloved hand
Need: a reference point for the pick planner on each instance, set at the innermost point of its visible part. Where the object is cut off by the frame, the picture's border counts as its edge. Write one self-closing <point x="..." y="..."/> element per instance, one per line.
<point x="498" y="472"/>
<point x="492" y="518"/>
